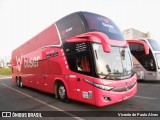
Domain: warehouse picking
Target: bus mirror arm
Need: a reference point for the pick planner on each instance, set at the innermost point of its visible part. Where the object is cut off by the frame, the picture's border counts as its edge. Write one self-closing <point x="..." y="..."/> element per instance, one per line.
<point x="90" y="36"/>
<point x="146" y="47"/>
<point x="105" y="42"/>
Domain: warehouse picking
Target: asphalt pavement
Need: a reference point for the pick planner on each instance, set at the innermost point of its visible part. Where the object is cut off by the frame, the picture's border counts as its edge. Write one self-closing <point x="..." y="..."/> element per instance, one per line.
<point x="17" y="100"/>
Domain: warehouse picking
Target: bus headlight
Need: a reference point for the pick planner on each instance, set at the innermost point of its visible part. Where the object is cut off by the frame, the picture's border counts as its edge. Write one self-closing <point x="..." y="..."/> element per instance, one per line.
<point x="103" y="87"/>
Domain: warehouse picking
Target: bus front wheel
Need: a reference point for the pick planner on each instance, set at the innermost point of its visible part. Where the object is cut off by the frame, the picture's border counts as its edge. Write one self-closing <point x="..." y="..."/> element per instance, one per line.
<point x="62" y="93"/>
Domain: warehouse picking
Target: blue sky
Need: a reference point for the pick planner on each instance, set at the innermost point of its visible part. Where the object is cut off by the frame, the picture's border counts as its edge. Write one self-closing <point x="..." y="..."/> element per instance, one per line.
<point x="20" y="20"/>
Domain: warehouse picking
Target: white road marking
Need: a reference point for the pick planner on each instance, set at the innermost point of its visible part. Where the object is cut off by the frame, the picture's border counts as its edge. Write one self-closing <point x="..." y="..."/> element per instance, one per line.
<point x="51" y="106"/>
<point x="145" y="97"/>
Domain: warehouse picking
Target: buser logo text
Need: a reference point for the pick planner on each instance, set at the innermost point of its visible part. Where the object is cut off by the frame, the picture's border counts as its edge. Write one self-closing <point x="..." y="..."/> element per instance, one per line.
<point x="27" y="62"/>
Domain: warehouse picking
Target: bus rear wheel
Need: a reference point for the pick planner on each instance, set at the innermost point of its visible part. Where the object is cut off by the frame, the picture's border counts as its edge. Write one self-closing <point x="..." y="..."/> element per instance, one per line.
<point x="20" y="83"/>
<point x="17" y="82"/>
<point x="62" y="93"/>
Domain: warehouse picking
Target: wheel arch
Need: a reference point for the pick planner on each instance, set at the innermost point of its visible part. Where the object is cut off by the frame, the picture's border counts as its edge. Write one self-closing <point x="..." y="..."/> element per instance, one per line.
<point x="56" y="82"/>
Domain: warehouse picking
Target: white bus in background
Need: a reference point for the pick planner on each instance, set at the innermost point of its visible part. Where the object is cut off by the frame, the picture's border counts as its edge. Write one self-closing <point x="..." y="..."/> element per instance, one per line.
<point x="147" y="66"/>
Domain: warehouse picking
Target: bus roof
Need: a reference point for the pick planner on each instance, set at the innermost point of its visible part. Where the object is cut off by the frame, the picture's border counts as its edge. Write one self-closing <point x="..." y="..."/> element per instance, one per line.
<point x="81" y="22"/>
<point x="152" y="43"/>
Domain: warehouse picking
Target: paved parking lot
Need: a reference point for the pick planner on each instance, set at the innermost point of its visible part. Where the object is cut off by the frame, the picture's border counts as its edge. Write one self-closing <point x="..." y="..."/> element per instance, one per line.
<point x="13" y="99"/>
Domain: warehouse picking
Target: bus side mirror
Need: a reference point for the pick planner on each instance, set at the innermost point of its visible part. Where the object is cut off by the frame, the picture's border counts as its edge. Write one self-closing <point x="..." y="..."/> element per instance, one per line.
<point x="106" y="42"/>
<point x="93" y="36"/>
<point x="106" y="46"/>
<point x="146" y="47"/>
<point x="99" y="37"/>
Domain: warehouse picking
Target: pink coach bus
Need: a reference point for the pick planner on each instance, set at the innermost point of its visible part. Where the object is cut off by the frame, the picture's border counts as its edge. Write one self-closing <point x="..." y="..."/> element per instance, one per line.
<point x="82" y="56"/>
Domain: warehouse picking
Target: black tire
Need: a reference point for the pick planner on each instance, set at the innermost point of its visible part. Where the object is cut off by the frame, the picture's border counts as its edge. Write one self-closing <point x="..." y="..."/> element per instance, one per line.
<point x="62" y="93"/>
<point x="20" y="84"/>
<point x="17" y="82"/>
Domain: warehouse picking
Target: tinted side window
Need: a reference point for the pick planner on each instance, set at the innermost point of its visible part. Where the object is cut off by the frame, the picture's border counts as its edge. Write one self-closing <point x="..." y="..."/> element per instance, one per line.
<point x="83" y="62"/>
<point x="78" y="57"/>
<point x="70" y="26"/>
<point x="103" y="24"/>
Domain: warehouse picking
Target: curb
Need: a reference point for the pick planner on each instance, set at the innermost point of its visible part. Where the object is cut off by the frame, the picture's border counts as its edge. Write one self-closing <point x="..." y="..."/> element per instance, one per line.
<point x="5" y="76"/>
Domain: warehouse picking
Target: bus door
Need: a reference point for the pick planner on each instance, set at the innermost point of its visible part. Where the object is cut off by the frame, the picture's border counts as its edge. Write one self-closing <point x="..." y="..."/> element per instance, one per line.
<point x="79" y="88"/>
<point x="85" y="91"/>
<point x="143" y="60"/>
<point x="81" y="63"/>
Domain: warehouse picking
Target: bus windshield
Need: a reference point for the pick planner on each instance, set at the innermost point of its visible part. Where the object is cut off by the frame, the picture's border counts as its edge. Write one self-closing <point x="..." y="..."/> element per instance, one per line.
<point x="114" y="65"/>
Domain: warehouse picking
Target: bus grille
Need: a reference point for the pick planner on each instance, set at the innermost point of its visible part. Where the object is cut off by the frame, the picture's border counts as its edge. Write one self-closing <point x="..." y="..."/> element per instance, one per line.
<point x="125" y="88"/>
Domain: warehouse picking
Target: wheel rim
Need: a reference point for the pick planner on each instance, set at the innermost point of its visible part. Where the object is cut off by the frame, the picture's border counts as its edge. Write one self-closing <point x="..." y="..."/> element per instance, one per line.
<point x="62" y="92"/>
<point x="21" y="84"/>
<point x="17" y="82"/>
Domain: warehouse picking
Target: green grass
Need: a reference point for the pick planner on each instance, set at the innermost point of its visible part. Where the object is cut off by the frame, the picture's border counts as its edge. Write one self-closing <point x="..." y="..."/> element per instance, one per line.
<point x="5" y="71"/>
